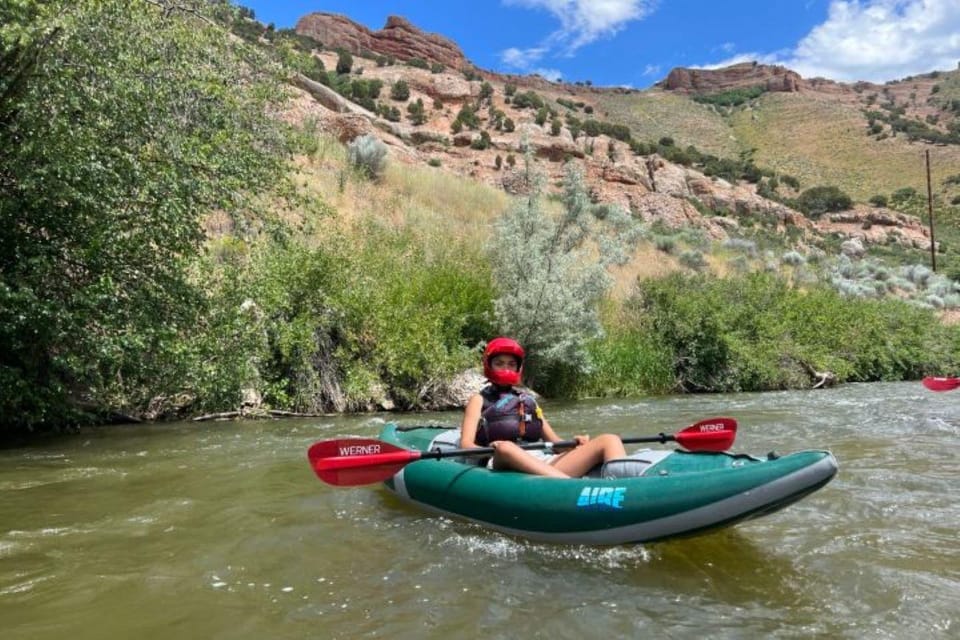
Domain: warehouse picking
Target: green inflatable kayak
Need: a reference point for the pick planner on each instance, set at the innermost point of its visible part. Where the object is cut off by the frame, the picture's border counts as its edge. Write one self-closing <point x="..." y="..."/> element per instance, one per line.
<point x="651" y="495"/>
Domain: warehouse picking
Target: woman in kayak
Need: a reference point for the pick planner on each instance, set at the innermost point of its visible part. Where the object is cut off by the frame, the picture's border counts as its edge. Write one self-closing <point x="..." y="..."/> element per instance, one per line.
<point x="503" y="414"/>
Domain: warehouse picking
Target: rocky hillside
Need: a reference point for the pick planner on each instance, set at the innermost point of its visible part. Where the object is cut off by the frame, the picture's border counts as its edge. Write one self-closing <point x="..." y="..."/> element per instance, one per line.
<point x="477" y="124"/>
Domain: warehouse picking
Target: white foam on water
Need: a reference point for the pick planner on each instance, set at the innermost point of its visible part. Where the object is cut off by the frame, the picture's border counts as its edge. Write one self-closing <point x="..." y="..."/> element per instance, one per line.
<point x="505" y="548"/>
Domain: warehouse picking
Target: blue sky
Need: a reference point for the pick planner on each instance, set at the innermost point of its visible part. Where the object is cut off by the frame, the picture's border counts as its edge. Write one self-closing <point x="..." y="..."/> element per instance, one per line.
<point x="635" y="43"/>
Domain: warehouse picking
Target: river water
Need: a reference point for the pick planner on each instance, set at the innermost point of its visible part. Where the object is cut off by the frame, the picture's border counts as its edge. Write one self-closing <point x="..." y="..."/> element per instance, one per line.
<point x="222" y="531"/>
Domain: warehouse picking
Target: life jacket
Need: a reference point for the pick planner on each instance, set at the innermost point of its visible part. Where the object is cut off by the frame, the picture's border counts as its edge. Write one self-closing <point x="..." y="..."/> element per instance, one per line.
<point x="508" y="413"/>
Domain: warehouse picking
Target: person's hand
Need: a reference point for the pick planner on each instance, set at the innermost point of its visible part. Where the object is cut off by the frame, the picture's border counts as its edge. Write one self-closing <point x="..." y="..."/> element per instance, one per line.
<point x="581" y="439"/>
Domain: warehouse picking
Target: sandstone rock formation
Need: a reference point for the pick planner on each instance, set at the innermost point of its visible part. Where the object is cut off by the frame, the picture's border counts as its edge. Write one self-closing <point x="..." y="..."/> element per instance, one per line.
<point x="398" y="38"/>
<point x="738" y="76"/>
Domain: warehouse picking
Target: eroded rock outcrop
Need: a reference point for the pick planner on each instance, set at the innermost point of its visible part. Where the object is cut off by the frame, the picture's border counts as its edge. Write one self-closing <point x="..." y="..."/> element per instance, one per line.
<point x="398" y="38"/>
<point x="738" y="76"/>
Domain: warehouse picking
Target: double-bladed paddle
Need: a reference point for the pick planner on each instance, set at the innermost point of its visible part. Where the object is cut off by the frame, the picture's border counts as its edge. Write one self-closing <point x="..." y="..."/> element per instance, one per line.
<point x="356" y="461"/>
<point x="941" y="384"/>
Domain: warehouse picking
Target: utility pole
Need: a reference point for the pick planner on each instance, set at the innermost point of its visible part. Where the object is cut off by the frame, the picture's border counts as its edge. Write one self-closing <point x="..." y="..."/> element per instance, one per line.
<point x="933" y="244"/>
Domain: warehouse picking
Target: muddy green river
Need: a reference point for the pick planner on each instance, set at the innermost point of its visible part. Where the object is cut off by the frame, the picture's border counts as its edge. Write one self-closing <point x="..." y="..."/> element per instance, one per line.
<point x="221" y="530"/>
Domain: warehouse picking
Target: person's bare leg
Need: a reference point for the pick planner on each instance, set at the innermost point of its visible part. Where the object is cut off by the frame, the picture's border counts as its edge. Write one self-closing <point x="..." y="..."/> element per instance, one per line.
<point x="510" y="456"/>
<point x="577" y="462"/>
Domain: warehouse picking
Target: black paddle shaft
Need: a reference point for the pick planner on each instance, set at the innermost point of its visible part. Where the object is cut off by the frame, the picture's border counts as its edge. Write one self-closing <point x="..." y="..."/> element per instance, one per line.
<point x="436" y="454"/>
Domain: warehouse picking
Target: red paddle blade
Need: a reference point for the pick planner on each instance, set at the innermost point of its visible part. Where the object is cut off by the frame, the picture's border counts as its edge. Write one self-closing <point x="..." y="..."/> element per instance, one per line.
<point x="357" y="461"/>
<point x="713" y="434"/>
<point x="941" y="384"/>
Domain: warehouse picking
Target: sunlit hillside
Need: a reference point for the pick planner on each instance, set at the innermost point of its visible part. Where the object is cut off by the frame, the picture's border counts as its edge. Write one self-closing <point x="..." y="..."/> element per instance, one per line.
<point x="815" y="137"/>
<point x="823" y="141"/>
<point x="653" y="114"/>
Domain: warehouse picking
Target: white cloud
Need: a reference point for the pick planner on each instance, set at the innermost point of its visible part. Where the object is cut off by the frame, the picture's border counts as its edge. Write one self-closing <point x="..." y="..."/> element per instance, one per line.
<point x="522" y="58"/>
<point x="874" y="40"/>
<point x="881" y="40"/>
<point x="553" y="75"/>
<point x="651" y="70"/>
<point x="581" y="22"/>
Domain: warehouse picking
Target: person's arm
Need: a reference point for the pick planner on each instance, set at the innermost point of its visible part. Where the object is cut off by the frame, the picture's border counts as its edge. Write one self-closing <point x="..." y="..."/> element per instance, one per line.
<point x="550" y="435"/>
<point x="471" y="419"/>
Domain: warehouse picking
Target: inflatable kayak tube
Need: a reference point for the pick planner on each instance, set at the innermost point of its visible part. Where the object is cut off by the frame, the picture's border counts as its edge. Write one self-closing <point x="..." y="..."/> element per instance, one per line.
<point x="651" y="495"/>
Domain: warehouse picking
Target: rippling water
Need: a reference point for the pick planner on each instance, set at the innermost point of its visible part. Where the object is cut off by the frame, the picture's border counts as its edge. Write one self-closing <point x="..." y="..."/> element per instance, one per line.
<point x="222" y="531"/>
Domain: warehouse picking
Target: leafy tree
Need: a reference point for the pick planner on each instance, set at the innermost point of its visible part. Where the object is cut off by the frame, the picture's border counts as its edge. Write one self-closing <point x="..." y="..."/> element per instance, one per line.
<point x="123" y="122"/>
<point x="548" y="280"/>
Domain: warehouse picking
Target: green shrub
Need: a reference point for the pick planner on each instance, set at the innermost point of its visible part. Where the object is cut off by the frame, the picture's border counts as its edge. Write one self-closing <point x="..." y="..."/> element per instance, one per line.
<point x="418" y="114"/>
<point x="819" y="200"/>
<point x="481" y="143"/>
<point x="790" y="181"/>
<point x="529" y="99"/>
<point x="665" y="244"/>
<point x="344" y="62"/>
<point x="343" y="325"/>
<point x="467" y="116"/>
<point x="400" y="91"/>
<point x="550" y="285"/>
<point x="693" y="260"/>
<point x="758" y="333"/>
<point x="628" y="361"/>
<point x="486" y="91"/>
<point x="732" y="97"/>
<point x="368" y="155"/>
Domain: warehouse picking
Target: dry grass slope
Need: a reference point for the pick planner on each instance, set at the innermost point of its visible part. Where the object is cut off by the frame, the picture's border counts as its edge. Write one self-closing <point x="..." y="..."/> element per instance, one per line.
<point x="654" y="114"/>
<point x="823" y="142"/>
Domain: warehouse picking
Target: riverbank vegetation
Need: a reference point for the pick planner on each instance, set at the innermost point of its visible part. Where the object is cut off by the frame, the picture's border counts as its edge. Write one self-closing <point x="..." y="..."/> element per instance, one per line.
<point x="168" y="247"/>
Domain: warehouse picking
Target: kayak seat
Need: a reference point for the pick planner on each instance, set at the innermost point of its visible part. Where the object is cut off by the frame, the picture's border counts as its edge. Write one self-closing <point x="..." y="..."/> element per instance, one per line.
<point x="449" y="440"/>
<point x="635" y="465"/>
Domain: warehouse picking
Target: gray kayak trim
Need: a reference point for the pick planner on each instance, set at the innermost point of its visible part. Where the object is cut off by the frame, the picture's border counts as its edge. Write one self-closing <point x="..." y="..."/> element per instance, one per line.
<point x="762" y="499"/>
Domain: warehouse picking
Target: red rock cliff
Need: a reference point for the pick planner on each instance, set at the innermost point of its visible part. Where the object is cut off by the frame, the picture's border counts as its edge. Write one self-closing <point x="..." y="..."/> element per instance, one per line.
<point x="747" y="74"/>
<point x="399" y="38"/>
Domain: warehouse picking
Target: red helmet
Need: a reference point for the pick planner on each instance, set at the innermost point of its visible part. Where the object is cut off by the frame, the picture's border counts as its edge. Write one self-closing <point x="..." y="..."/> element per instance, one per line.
<point x="503" y="377"/>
